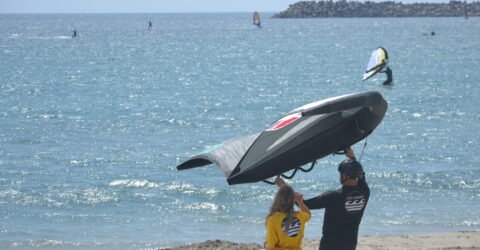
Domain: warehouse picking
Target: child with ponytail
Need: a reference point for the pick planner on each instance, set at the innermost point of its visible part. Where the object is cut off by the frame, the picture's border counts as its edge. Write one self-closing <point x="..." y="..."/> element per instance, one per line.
<point x="285" y="226"/>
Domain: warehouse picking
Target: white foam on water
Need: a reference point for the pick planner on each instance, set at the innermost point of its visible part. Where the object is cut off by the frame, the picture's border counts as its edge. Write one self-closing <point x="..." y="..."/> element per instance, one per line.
<point x="133" y="183"/>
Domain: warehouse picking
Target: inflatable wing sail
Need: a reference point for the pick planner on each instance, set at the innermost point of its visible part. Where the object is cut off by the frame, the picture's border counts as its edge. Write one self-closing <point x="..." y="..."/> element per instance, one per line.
<point x="225" y="155"/>
<point x="310" y="133"/>
<point x="378" y="60"/>
<point x="304" y="135"/>
<point x="256" y="18"/>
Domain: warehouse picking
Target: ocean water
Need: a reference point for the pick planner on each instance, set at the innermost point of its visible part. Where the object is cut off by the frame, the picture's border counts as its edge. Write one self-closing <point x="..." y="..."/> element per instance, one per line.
<point x="92" y="128"/>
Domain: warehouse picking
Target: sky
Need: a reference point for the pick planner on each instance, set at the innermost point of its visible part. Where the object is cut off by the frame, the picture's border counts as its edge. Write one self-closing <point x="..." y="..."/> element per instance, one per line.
<point x="151" y="6"/>
<point x="141" y="6"/>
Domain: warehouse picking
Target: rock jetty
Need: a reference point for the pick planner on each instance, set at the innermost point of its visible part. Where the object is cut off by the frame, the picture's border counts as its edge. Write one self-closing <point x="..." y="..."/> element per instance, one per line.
<point x="342" y="8"/>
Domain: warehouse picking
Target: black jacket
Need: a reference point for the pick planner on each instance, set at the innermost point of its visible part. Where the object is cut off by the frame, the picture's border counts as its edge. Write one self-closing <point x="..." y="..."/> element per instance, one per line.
<point x="343" y="212"/>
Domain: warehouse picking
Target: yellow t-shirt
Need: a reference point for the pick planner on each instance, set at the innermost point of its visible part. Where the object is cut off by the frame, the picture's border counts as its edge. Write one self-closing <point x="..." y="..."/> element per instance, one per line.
<point x="281" y="237"/>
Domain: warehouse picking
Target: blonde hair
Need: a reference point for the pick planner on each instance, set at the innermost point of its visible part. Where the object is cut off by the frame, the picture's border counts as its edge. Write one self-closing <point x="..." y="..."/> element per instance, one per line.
<point x="283" y="202"/>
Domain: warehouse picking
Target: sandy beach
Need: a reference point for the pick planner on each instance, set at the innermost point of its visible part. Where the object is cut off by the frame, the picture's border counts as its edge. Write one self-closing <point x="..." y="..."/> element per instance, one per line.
<point x="444" y="241"/>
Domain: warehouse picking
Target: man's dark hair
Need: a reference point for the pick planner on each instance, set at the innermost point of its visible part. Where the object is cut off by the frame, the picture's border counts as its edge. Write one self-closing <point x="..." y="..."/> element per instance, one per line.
<point x="351" y="168"/>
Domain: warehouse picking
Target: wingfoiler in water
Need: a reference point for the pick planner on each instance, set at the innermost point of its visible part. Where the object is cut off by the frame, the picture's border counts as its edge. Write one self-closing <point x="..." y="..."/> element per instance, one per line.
<point x="256" y="19"/>
<point x="378" y="60"/>
<point x="304" y="135"/>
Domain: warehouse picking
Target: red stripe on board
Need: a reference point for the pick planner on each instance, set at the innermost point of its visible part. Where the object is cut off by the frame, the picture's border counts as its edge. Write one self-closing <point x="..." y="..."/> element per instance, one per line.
<point x="285" y="122"/>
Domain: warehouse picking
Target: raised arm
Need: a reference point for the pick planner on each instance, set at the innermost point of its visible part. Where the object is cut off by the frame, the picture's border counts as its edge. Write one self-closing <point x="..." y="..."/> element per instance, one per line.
<point x="280" y="182"/>
<point x="361" y="178"/>
<point x="300" y="203"/>
<point x="349" y="153"/>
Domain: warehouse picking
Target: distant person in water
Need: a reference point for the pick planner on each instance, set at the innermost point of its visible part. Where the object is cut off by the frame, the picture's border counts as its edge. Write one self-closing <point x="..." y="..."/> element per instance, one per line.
<point x="389" y="80"/>
<point x="74" y="34"/>
<point x="150" y="25"/>
<point x="256" y="19"/>
<point x="431" y="34"/>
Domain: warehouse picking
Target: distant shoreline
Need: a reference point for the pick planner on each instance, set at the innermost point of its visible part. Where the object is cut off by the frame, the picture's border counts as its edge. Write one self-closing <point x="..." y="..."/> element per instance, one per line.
<point x="342" y="8"/>
<point x="435" y="241"/>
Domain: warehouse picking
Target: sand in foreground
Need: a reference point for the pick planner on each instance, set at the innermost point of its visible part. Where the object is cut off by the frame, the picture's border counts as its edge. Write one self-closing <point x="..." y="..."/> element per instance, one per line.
<point x="443" y="241"/>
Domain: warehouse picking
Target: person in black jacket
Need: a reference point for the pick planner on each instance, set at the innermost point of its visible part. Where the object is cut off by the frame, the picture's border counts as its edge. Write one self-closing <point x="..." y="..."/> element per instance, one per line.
<point x="344" y="207"/>
<point x="389" y="80"/>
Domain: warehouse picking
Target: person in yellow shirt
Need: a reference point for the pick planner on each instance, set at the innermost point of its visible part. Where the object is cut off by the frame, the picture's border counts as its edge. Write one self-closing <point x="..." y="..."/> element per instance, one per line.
<point x="285" y="226"/>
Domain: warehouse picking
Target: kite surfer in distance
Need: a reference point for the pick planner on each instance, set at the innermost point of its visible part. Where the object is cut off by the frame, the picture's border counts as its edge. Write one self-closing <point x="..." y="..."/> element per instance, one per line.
<point x="256" y="19"/>
<point x="74" y="33"/>
<point x="389" y="74"/>
<point x="344" y="207"/>
<point x="150" y="25"/>
<point x="285" y="226"/>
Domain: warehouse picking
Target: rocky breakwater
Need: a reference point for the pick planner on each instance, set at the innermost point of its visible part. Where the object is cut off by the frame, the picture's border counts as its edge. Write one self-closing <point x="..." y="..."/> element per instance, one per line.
<point x="312" y="9"/>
